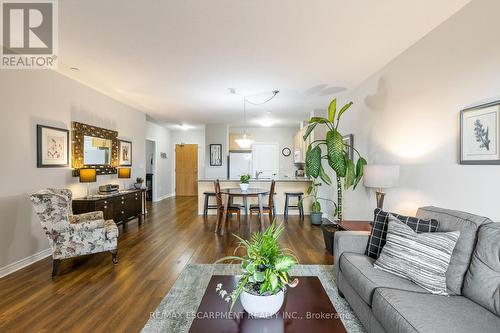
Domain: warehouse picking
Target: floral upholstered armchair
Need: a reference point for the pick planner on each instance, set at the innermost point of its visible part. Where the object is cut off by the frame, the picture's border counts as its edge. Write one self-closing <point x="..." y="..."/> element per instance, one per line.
<point x="72" y="235"/>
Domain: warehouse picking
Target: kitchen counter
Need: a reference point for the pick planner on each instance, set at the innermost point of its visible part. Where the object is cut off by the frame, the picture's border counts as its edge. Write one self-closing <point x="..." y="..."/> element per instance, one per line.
<point x="292" y="184"/>
<point x="261" y="180"/>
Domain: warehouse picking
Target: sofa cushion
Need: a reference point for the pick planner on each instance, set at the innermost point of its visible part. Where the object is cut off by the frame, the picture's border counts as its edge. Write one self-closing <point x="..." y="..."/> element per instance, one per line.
<point x="379" y="229"/>
<point x="359" y="272"/>
<point x="467" y="224"/>
<point x="422" y="258"/>
<point x="482" y="281"/>
<point x="406" y="311"/>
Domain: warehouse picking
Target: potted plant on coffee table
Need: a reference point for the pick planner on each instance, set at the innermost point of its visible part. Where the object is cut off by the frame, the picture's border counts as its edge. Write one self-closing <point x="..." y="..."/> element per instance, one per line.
<point x="262" y="285"/>
<point x="244" y="182"/>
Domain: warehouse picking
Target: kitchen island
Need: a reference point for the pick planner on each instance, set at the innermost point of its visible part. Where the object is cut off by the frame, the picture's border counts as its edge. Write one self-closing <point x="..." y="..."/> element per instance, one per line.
<point x="282" y="185"/>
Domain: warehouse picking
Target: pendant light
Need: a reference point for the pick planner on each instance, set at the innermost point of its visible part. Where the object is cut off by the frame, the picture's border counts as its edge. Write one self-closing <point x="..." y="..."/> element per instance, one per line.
<point x="245" y="141"/>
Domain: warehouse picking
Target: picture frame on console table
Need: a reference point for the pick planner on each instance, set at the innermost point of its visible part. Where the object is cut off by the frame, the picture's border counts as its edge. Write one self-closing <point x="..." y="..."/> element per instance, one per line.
<point x="479" y="134"/>
<point x="52" y="147"/>
<point x="124" y="153"/>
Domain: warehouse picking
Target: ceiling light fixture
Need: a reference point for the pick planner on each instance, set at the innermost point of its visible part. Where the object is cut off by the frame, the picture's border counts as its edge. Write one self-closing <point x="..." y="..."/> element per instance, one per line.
<point x="245" y="141"/>
<point x="267" y="121"/>
<point x="183" y="127"/>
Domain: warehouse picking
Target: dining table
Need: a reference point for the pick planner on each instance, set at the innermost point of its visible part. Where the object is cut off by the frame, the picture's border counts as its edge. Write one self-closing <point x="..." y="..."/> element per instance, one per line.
<point x="232" y="193"/>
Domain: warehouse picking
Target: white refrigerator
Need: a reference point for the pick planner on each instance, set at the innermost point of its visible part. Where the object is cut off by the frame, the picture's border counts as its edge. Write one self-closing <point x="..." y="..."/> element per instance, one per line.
<point x="239" y="164"/>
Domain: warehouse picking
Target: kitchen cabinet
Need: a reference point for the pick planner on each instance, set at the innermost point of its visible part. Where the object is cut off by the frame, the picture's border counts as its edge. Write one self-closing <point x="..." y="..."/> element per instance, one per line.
<point x="300" y="146"/>
<point x="233" y="146"/>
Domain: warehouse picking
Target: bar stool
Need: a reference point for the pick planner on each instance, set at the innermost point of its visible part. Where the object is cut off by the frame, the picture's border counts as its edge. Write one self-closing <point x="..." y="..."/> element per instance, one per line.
<point x="206" y="206"/>
<point x="297" y="195"/>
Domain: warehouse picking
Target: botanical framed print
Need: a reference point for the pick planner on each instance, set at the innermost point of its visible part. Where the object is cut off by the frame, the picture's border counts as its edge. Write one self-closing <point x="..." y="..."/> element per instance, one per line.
<point x="124" y="153"/>
<point x="215" y="155"/>
<point x="52" y="147"/>
<point x="349" y="140"/>
<point x="479" y="134"/>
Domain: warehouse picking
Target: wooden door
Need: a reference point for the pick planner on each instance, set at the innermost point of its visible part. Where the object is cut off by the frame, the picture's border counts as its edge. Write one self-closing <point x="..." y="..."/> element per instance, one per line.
<point x="186" y="170"/>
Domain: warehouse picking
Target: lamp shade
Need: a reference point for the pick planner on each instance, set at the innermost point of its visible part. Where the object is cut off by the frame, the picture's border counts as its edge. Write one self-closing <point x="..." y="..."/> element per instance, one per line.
<point x="381" y="176"/>
<point x="124" y="172"/>
<point x="88" y="176"/>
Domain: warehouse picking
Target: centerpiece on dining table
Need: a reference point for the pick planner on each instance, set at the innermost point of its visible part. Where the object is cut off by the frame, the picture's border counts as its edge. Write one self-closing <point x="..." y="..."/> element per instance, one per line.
<point x="262" y="285"/>
<point x="244" y="182"/>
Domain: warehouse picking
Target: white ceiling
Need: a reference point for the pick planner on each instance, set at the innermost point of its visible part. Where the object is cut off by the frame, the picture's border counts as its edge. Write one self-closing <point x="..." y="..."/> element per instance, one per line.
<point x="176" y="59"/>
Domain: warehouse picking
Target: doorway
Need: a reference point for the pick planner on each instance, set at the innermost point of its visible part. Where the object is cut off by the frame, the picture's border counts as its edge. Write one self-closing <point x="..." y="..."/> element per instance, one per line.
<point x="186" y="170"/>
<point x="150" y="170"/>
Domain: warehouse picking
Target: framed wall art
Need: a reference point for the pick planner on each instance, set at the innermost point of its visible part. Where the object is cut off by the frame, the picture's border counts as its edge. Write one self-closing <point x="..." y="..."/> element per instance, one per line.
<point x="215" y="155"/>
<point x="52" y="147"/>
<point x="479" y="134"/>
<point x="124" y="153"/>
<point x="349" y="140"/>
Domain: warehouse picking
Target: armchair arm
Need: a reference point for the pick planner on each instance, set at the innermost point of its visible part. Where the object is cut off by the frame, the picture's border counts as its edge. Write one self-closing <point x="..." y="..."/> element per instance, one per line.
<point x="86" y="217"/>
<point x="348" y="241"/>
<point x="87" y="225"/>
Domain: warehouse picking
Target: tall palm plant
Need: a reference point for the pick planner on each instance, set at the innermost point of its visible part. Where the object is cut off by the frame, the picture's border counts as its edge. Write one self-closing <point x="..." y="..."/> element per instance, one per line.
<point x="346" y="170"/>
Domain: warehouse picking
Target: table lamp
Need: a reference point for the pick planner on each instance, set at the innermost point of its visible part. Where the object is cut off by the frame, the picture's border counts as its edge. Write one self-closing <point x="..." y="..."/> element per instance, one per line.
<point x="88" y="176"/>
<point x="381" y="177"/>
<point x="124" y="172"/>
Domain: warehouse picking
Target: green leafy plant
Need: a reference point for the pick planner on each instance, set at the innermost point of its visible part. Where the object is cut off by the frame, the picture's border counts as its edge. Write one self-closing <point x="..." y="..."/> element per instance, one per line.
<point x="139" y="180"/>
<point x="264" y="267"/>
<point x="245" y="179"/>
<point x="312" y="192"/>
<point x="337" y="154"/>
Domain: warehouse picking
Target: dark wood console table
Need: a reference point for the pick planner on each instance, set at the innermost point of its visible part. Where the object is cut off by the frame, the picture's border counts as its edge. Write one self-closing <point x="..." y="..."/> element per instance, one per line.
<point x="120" y="207"/>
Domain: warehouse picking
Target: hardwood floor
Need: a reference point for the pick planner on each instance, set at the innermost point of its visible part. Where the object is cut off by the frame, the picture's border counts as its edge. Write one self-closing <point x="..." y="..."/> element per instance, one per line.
<point x="93" y="295"/>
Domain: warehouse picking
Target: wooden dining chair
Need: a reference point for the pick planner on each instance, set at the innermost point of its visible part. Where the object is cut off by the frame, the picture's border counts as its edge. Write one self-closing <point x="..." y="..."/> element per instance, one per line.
<point x="220" y="208"/>
<point x="266" y="209"/>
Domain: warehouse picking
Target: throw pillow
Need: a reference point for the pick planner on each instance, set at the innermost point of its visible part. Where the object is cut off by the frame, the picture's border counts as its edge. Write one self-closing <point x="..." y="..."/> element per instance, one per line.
<point x="422" y="258"/>
<point x="376" y="241"/>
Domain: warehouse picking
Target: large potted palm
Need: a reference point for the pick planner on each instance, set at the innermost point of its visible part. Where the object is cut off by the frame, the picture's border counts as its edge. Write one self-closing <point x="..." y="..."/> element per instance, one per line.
<point x="348" y="173"/>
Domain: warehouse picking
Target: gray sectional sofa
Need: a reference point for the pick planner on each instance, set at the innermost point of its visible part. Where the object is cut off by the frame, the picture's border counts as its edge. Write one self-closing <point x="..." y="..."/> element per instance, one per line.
<point x="387" y="303"/>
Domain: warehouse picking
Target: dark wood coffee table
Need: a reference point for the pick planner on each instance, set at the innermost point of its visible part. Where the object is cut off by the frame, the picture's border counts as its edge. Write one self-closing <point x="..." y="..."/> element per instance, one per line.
<point x="307" y="308"/>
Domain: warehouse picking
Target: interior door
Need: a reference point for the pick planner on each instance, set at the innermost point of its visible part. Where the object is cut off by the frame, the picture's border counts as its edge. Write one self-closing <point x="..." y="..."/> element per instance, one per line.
<point x="186" y="170"/>
<point x="265" y="160"/>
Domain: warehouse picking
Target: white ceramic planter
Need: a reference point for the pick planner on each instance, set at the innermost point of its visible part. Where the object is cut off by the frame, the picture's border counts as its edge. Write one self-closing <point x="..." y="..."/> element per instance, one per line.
<point x="262" y="306"/>
<point x="244" y="187"/>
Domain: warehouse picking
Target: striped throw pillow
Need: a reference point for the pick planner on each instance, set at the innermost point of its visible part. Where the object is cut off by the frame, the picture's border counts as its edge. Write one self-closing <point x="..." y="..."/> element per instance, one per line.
<point x="422" y="258"/>
<point x="376" y="241"/>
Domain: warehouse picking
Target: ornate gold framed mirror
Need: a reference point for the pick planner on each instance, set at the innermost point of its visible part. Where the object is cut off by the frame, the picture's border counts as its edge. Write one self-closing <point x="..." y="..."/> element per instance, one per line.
<point x="94" y="147"/>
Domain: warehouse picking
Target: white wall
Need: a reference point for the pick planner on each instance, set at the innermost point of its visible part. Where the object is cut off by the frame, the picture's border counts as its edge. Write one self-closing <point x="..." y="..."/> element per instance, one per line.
<point x="408" y="114"/>
<point x="283" y="136"/>
<point x="216" y="134"/>
<point x="196" y="136"/>
<point x="31" y="97"/>
<point x="162" y="178"/>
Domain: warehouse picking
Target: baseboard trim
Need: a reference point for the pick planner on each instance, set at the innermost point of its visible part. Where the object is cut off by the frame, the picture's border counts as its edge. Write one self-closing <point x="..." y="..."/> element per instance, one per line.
<point x="15" y="266"/>
<point x="165" y="197"/>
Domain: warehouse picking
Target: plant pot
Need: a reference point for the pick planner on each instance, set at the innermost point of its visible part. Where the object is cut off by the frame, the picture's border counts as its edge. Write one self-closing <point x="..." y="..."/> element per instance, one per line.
<point x="329" y="229"/>
<point x="316" y="218"/>
<point x="137" y="186"/>
<point x="262" y="306"/>
<point x="244" y="187"/>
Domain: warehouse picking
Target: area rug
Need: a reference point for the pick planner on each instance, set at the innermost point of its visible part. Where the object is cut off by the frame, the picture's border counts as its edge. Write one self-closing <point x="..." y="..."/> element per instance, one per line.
<point x="185" y="296"/>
